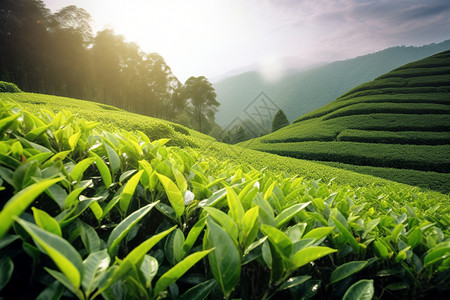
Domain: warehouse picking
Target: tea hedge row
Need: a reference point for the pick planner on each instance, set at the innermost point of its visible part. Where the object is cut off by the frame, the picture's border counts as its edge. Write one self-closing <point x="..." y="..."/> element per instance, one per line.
<point x="319" y="130"/>
<point x="389" y="108"/>
<point x="395" y="137"/>
<point x="109" y="116"/>
<point x="113" y="214"/>
<point x="417" y="72"/>
<point x="435" y="98"/>
<point x="418" y="157"/>
<point x="431" y="180"/>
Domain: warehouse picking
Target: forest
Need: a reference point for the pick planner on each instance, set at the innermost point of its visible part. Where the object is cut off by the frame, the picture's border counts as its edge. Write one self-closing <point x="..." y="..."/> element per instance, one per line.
<point x="59" y="54"/>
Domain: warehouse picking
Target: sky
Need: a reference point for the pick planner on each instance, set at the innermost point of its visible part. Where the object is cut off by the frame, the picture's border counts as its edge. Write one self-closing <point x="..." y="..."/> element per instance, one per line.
<point x="212" y="38"/>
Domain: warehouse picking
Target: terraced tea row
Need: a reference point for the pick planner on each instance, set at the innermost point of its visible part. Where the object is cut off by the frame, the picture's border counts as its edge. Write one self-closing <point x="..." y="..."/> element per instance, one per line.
<point x="399" y="120"/>
<point x="421" y="157"/>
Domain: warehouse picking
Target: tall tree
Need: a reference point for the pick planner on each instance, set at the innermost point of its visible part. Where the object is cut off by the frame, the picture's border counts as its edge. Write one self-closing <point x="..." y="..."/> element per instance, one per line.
<point x="202" y="97"/>
<point x="279" y="120"/>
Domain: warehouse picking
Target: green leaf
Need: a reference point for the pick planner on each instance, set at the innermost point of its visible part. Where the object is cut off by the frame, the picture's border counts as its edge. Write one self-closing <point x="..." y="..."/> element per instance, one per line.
<point x="181" y="181"/>
<point x="96" y="210"/>
<point x="19" y="202"/>
<point x="72" y="197"/>
<point x="8" y="239"/>
<point x="380" y="250"/>
<point x="54" y="291"/>
<point x="415" y="237"/>
<point x="5" y="122"/>
<point x="248" y="231"/>
<point x="347" y="234"/>
<point x="73" y="140"/>
<point x="103" y="169"/>
<point x="346" y="270"/>
<point x="294" y="281"/>
<point x="60" y="251"/>
<point x="132" y="259"/>
<point x="362" y="290"/>
<point x="287" y="214"/>
<point x="6" y="270"/>
<point x="128" y="191"/>
<point x="307" y="255"/>
<point x="65" y="281"/>
<point x="279" y="240"/>
<point x="94" y="266"/>
<point x="149" y="268"/>
<point x="269" y="190"/>
<point x="225" y="220"/>
<point x="200" y="291"/>
<point x="225" y="260"/>
<point x="46" y="222"/>
<point x="121" y="230"/>
<point x="436" y="255"/>
<point x="318" y="233"/>
<point x="193" y="234"/>
<point x="173" y="193"/>
<point x="174" y="247"/>
<point x="77" y="172"/>
<point x="112" y="202"/>
<point x="90" y="238"/>
<point x="178" y="270"/>
<point x="236" y="210"/>
<point x="114" y="159"/>
<point x="370" y="226"/>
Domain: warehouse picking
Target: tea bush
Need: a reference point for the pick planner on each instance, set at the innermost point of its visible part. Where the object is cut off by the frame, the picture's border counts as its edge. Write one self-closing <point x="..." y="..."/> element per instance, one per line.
<point x="89" y="213"/>
<point x="8" y="87"/>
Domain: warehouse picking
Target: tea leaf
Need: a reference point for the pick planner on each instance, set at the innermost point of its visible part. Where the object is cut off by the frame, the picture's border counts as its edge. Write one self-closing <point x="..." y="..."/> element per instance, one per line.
<point x="200" y="291"/>
<point x="60" y="251"/>
<point x="178" y="270"/>
<point x="19" y="202"/>
<point x="287" y="214"/>
<point x="173" y="193"/>
<point x="225" y="260"/>
<point x="362" y="290"/>
<point x="279" y="240"/>
<point x="347" y="269"/>
<point x="46" y="222"/>
<point x="6" y="270"/>
<point x="128" y="191"/>
<point x="121" y="230"/>
<point x="310" y="254"/>
<point x="94" y="267"/>
<point x="77" y="172"/>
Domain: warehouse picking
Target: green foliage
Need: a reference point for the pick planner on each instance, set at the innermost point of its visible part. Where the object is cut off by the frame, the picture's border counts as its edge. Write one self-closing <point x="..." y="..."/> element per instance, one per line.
<point x="91" y="231"/>
<point x="279" y="120"/>
<point x="8" y="87"/>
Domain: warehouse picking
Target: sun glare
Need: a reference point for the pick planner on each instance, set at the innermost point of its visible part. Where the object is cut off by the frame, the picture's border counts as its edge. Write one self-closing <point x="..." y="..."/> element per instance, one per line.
<point x="176" y="29"/>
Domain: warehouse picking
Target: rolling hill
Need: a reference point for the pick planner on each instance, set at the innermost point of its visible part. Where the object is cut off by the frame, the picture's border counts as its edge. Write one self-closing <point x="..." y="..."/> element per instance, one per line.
<point x="400" y="120"/>
<point x="98" y="202"/>
<point x="304" y="91"/>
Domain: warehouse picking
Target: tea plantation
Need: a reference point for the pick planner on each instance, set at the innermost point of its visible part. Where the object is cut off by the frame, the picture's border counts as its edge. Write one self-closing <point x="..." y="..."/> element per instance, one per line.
<point x="99" y="203"/>
<point x="399" y="121"/>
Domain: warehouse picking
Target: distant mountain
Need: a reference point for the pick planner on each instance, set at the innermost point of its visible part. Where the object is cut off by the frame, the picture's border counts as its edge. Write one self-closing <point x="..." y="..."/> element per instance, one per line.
<point x="303" y="91"/>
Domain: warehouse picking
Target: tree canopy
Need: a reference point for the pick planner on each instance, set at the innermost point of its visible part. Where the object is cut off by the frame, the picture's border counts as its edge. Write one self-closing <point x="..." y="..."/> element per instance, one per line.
<point x="279" y="120"/>
<point x="59" y="54"/>
<point x="202" y="99"/>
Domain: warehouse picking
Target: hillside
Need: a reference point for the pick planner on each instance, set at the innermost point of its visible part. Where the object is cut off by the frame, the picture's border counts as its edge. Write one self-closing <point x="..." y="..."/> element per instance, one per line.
<point x="302" y="92"/>
<point x="400" y="120"/>
<point x="112" y="118"/>
<point x="96" y="210"/>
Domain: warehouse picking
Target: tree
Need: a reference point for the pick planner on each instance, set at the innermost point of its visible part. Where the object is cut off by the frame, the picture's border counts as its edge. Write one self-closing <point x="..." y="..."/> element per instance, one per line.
<point x="202" y="97"/>
<point x="279" y="120"/>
